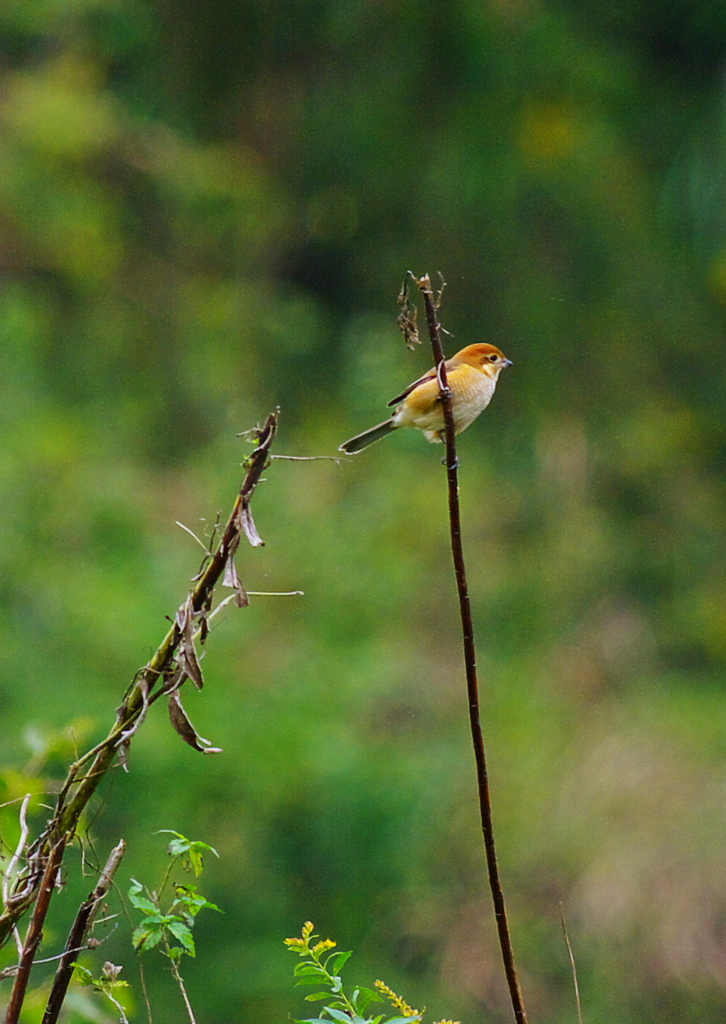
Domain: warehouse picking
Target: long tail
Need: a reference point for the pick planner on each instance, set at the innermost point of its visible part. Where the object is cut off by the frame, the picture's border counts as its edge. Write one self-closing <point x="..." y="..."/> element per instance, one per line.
<point x="361" y="441"/>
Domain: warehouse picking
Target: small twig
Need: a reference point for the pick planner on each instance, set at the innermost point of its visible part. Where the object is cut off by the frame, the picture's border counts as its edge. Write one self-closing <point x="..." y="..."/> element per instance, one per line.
<point x="77" y="935"/>
<point x="572" y="964"/>
<point x="192" y="534"/>
<point x="180" y="982"/>
<point x="9" y="871"/>
<point x="276" y="593"/>
<point x="431" y="305"/>
<point x="119" y="1007"/>
<point x="9" y="803"/>
<point x="35" y="931"/>
<point x="251" y="593"/>
<point x="308" y="458"/>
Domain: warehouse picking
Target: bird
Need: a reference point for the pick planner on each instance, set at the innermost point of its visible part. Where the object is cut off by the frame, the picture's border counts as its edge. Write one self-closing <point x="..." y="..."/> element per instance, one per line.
<point x="472" y="377"/>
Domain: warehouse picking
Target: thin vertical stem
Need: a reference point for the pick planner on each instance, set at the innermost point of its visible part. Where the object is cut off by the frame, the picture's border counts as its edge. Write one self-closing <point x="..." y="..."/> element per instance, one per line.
<point x="77" y="935"/>
<point x="472" y="684"/>
<point x="35" y="932"/>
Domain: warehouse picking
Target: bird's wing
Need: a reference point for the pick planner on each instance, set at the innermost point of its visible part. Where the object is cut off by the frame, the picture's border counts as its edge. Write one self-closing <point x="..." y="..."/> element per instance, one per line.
<point x="431" y="375"/>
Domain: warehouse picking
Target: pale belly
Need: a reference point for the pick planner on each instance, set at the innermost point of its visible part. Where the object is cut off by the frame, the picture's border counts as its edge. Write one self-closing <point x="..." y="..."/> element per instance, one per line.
<point x="423" y="407"/>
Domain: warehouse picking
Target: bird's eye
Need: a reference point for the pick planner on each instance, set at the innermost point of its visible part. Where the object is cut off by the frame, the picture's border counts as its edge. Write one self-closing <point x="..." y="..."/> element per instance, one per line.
<point x="493" y="358"/>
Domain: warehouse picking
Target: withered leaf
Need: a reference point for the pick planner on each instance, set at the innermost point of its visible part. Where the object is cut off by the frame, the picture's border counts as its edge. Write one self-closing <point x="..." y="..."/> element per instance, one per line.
<point x="232" y="580"/>
<point x="123" y="753"/>
<point x="180" y="721"/>
<point x="187" y="653"/>
<point x="190" y="663"/>
<point x="184" y="617"/>
<point x="408" y="318"/>
<point x="248" y="525"/>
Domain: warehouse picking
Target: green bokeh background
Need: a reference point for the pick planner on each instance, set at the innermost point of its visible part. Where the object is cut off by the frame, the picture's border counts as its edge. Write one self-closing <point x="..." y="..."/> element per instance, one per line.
<point x="206" y="211"/>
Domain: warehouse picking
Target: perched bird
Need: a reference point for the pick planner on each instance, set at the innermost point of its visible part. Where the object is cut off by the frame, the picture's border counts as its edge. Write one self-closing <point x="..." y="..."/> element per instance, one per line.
<point x="472" y="377"/>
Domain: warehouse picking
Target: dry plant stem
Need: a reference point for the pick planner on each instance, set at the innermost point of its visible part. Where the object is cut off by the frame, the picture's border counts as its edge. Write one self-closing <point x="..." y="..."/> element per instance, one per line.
<point x="572" y="965"/>
<point x="77" y="935"/>
<point x="182" y="988"/>
<point x="146" y="688"/>
<point x="35" y="931"/>
<point x="485" y="807"/>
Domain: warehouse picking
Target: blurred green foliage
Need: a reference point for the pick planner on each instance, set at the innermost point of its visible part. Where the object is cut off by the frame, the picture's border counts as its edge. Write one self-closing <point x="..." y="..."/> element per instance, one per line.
<point x="206" y="211"/>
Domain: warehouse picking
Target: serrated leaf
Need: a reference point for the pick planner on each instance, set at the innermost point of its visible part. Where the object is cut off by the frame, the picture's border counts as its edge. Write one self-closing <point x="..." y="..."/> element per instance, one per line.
<point x="196" y="860"/>
<point x="138" y="901"/>
<point x="181" y="932"/>
<point x="146" y="938"/>
<point x="142" y="903"/>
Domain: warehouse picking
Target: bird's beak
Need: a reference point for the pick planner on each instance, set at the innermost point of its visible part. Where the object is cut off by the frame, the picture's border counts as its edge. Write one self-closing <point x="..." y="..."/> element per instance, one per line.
<point x="508" y="362"/>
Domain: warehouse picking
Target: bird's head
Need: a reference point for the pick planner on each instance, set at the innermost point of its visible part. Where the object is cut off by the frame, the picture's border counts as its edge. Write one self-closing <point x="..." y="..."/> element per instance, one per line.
<point x="487" y="358"/>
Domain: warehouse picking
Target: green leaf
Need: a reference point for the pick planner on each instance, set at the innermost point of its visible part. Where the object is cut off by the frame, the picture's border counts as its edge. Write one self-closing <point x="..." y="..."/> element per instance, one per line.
<point x="306" y="967"/>
<point x="141" y="902"/>
<point x="197" y="861"/>
<point x="153" y="921"/>
<point x="335" y="963"/>
<point x="314" y="997"/>
<point x="179" y="845"/>
<point x="340" y="1015"/>
<point x="363" y="996"/>
<point x="180" y="931"/>
<point x="191" y="851"/>
<point x="145" y="937"/>
<point x="83" y="975"/>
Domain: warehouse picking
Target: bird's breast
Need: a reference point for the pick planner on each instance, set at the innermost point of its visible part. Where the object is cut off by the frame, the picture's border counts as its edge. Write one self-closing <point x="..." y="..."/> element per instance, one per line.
<point x="471" y="392"/>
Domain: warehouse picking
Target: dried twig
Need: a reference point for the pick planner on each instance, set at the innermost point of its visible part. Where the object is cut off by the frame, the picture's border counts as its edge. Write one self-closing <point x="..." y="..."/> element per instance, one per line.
<point x="431" y="304"/>
<point x="77" y="935"/>
<point x="308" y="458"/>
<point x="14" y="860"/>
<point x="175" y="654"/>
<point x="35" y="931"/>
<point x="572" y="964"/>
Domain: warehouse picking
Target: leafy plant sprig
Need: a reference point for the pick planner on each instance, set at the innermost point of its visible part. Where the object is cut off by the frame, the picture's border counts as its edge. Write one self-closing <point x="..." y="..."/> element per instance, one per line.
<point x="171" y="927"/>
<point x="177" y="923"/>
<point x="320" y="968"/>
<point x="106" y="984"/>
